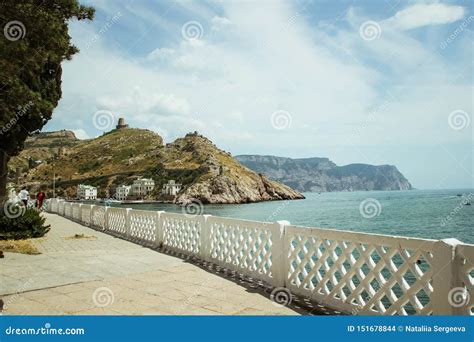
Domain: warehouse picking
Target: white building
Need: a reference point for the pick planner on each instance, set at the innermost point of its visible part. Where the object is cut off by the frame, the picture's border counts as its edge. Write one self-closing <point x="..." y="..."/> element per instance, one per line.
<point x="171" y="188"/>
<point x="122" y="191"/>
<point x="86" y="192"/>
<point x="142" y="187"/>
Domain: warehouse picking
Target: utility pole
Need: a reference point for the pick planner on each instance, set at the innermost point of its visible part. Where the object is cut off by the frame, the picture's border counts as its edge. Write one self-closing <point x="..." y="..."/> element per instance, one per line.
<point x="54" y="185"/>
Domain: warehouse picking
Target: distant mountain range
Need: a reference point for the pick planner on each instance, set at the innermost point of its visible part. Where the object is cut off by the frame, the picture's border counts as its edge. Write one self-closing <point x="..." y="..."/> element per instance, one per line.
<point x="323" y="175"/>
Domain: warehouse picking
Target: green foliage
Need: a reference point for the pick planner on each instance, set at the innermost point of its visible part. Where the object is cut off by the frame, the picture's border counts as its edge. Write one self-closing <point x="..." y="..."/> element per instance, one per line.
<point x="162" y="175"/>
<point x="89" y="166"/>
<point x="30" y="64"/>
<point x="29" y="225"/>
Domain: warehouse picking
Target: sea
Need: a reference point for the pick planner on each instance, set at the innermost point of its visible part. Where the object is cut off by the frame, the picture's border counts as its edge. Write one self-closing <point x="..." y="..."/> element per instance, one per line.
<point x="433" y="214"/>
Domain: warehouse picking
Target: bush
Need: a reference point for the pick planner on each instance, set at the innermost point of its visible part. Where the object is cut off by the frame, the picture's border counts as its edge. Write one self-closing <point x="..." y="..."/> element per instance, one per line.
<point x="29" y="225"/>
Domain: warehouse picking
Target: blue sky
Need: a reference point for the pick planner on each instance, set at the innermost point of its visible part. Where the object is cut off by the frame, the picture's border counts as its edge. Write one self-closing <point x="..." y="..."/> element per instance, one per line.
<point x="379" y="82"/>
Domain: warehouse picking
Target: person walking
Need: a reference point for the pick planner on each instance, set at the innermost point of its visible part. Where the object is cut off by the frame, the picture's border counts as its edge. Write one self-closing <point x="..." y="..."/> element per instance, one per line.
<point x="24" y="196"/>
<point x="40" y="196"/>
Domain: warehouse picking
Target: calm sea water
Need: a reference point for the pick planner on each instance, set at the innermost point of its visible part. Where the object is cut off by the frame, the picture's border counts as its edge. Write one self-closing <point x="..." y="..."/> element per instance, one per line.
<point x="435" y="214"/>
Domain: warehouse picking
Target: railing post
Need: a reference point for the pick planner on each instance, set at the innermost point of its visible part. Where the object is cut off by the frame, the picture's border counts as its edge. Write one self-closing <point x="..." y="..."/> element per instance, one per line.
<point x="106" y="218"/>
<point x="279" y="254"/>
<point x="159" y="229"/>
<point x="79" y="215"/>
<point x="463" y="259"/>
<point x="205" y="238"/>
<point x="128" y="226"/>
<point x="91" y="215"/>
<point x="444" y="276"/>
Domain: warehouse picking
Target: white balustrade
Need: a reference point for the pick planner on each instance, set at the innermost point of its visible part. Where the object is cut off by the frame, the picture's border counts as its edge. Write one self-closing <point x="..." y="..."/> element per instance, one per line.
<point x="61" y="207"/>
<point x="98" y="216"/>
<point x="143" y="226"/>
<point x="76" y="211"/>
<point x="351" y="272"/>
<point x="116" y="219"/>
<point x="465" y="282"/>
<point x="243" y="246"/>
<point x="182" y="232"/>
<point x="86" y="214"/>
<point x="68" y="210"/>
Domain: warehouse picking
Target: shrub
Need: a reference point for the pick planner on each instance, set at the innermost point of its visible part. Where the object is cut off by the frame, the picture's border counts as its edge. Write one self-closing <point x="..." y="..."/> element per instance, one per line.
<point x="29" y="225"/>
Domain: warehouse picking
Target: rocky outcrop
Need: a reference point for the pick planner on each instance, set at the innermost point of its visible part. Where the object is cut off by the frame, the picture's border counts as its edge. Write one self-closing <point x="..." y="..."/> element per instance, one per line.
<point x="223" y="189"/>
<point x="322" y="175"/>
<point x="222" y="179"/>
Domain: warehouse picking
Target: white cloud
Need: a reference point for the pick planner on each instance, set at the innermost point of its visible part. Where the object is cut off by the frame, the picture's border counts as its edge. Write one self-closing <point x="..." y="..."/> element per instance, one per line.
<point x="425" y="14"/>
<point x="80" y="134"/>
<point x="161" y="54"/>
<point x="144" y="101"/>
<point x="218" y="23"/>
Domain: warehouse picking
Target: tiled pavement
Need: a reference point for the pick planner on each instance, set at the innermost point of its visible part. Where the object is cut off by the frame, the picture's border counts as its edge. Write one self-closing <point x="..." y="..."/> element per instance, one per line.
<point x="106" y="275"/>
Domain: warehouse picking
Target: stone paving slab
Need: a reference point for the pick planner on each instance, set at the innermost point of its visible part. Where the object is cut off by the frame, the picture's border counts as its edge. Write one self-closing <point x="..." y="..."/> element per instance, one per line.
<point x="104" y="275"/>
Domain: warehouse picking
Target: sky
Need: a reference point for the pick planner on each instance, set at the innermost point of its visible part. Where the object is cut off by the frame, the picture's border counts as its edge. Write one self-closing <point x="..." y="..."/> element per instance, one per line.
<point x="377" y="82"/>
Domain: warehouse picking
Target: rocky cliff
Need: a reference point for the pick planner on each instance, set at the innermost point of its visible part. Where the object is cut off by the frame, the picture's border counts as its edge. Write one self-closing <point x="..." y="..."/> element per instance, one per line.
<point x="321" y="174"/>
<point x="221" y="179"/>
<point x="207" y="173"/>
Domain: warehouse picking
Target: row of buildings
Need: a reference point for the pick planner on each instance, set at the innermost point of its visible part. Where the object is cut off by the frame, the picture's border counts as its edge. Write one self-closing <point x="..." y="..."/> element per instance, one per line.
<point x="139" y="189"/>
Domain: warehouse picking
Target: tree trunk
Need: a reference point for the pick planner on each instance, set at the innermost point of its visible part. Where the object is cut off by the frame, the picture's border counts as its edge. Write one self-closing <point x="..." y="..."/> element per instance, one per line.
<point x="3" y="178"/>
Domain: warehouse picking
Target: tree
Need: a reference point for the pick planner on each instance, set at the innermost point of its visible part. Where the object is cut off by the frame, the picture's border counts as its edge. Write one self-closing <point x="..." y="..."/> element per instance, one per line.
<point x="35" y="41"/>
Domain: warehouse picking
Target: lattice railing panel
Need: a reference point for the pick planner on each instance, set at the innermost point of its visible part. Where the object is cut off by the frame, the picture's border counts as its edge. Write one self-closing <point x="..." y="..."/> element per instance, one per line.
<point x="86" y="214"/>
<point x="143" y="225"/>
<point x="76" y="211"/>
<point x="244" y="246"/>
<point x="61" y="205"/>
<point x="368" y="273"/>
<point x="465" y="261"/>
<point x="182" y="232"/>
<point x="117" y="219"/>
<point x="68" y="210"/>
<point x="98" y="217"/>
<point x="54" y="206"/>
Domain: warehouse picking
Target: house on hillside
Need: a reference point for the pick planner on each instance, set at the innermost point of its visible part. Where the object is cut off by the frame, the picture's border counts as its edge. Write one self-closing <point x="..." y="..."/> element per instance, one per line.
<point x="122" y="192"/>
<point x="171" y="188"/>
<point x="142" y="187"/>
<point x="86" y="192"/>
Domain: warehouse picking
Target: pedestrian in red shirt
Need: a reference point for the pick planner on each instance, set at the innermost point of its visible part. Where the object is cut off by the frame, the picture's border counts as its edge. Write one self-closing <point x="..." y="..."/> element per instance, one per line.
<point x="40" y="196"/>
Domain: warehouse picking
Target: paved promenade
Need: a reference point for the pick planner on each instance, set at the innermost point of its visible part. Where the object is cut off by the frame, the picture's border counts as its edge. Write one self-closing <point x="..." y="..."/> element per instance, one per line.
<point x="99" y="274"/>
